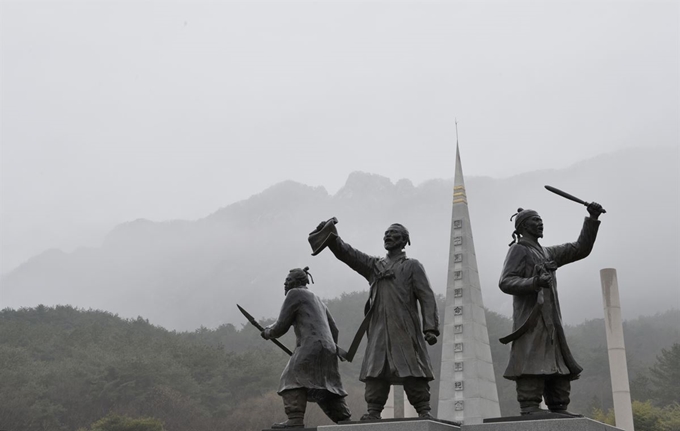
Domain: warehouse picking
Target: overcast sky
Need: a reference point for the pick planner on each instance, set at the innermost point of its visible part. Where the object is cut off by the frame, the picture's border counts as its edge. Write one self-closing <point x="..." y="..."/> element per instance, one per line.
<point x="113" y="111"/>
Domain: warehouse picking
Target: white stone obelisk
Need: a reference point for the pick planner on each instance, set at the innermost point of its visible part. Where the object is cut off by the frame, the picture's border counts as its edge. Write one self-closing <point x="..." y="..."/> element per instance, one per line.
<point x="467" y="386"/>
<point x="618" y="367"/>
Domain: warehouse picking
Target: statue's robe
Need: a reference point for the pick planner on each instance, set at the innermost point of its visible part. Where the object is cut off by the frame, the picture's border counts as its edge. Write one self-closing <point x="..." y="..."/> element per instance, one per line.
<point x="395" y="347"/>
<point x="314" y="363"/>
<point x="542" y="349"/>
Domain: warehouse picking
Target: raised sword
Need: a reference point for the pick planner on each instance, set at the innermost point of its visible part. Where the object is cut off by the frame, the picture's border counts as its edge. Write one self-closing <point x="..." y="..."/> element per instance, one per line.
<point x="568" y="196"/>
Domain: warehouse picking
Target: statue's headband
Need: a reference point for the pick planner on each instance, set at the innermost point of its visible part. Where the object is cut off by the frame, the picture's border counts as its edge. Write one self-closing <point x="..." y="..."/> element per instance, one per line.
<point x="301" y="274"/>
<point x="521" y="215"/>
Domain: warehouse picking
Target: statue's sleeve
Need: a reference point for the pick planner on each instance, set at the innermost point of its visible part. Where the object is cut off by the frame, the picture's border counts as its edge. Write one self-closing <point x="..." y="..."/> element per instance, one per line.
<point x="287" y="314"/>
<point x="425" y="296"/>
<point x="355" y="259"/>
<point x="514" y="280"/>
<point x="573" y="251"/>
<point x="333" y="326"/>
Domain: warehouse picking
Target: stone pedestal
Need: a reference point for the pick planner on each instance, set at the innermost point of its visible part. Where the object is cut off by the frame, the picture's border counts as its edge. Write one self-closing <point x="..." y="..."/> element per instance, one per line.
<point x="393" y="425"/>
<point x="516" y="424"/>
<point x="280" y="429"/>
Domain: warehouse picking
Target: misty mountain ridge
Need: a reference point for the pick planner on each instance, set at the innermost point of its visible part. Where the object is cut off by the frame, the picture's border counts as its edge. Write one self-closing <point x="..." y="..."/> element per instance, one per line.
<point x="186" y="274"/>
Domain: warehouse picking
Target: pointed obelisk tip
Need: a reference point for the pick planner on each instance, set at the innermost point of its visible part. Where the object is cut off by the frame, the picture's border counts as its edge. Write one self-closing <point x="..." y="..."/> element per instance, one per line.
<point x="458" y="177"/>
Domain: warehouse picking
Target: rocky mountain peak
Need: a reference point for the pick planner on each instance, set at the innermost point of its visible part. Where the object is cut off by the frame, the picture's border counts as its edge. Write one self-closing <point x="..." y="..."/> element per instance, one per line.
<point x="364" y="184"/>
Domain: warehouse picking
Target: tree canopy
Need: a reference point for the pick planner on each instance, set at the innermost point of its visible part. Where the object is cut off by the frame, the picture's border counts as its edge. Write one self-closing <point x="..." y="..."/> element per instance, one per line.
<point x="64" y="368"/>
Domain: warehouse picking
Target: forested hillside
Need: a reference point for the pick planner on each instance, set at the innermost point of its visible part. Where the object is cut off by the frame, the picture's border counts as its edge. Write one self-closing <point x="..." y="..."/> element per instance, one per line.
<point x="63" y="368"/>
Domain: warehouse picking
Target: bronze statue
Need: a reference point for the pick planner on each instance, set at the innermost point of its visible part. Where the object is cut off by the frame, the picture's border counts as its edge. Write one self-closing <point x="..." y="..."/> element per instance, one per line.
<point x="540" y="361"/>
<point x="312" y="371"/>
<point x="396" y="352"/>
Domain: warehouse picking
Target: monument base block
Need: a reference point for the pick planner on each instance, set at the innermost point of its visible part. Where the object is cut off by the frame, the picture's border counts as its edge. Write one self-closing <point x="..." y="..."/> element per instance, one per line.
<point x="284" y="429"/>
<point x="407" y="424"/>
<point x="532" y="417"/>
<point x="517" y="423"/>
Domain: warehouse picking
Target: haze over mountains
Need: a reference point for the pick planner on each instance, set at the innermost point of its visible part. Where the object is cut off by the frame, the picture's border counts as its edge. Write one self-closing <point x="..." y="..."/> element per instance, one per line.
<point x="242" y="252"/>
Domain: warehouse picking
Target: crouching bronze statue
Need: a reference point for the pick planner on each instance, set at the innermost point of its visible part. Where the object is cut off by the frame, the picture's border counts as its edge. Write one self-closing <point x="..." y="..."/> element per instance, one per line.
<point x="312" y="372"/>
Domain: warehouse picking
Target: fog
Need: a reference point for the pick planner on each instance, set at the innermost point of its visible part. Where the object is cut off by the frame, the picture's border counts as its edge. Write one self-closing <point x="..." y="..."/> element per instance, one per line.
<point x="114" y="111"/>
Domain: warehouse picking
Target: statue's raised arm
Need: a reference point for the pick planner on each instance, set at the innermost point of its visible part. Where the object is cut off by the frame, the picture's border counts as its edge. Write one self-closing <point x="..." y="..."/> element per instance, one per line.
<point x="326" y="235"/>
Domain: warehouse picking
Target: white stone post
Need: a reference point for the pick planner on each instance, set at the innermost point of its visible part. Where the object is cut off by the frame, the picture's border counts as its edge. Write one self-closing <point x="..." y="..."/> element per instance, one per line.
<point x="618" y="368"/>
<point x="398" y="392"/>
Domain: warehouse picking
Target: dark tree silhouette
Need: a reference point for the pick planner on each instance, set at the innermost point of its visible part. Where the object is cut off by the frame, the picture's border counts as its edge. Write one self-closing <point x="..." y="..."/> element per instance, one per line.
<point x="665" y="375"/>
